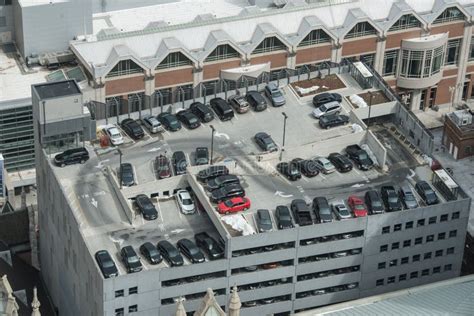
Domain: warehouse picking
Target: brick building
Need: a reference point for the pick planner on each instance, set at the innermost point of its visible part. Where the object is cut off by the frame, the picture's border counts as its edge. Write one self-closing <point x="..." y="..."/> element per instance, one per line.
<point x="458" y="134"/>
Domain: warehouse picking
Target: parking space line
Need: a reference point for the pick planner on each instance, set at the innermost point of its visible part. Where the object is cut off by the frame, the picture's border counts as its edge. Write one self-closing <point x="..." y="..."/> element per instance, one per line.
<point x="305" y="179"/>
<point x="322" y="176"/>
<point x="160" y="215"/>
<point x="167" y="133"/>
<point x="236" y="117"/>
<point x="356" y="171"/>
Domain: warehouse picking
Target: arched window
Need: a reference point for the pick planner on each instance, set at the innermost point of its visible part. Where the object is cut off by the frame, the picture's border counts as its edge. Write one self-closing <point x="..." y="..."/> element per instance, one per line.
<point x="125" y="67"/>
<point x="361" y="29"/>
<point x="176" y="59"/>
<point x="407" y="21"/>
<point x="315" y="37"/>
<point x="269" y="44"/>
<point x="222" y="52"/>
<point x="449" y="15"/>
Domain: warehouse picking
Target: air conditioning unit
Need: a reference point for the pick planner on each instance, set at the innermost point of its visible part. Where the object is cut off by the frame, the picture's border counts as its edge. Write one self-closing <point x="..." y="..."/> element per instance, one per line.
<point x="462" y="117"/>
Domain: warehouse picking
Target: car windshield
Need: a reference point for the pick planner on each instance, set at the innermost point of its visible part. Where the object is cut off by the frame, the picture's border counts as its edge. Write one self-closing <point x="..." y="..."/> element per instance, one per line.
<point x="376" y="203"/>
<point x="163" y="166"/>
<point x="173" y="122"/>
<point x="323" y="108"/>
<point x="327" y="164"/>
<point x="267" y="140"/>
<point x="276" y="94"/>
<point x="187" y="202"/>
<point x="108" y="263"/>
<point x="409" y="196"/>
<point x="362" y="155"/>
<point x="228" y="203"/>
<point x="172" y="252"/>
<point x="430" y="195"/>
<point x="133" y="259"/>
<point x="359" y="207"/>
<point x="152" y="251"/>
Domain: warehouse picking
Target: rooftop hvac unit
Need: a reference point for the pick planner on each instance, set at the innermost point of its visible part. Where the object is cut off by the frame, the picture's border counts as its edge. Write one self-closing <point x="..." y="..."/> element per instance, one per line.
<point x="462" y="117"/>
<point x="61" y="57"/>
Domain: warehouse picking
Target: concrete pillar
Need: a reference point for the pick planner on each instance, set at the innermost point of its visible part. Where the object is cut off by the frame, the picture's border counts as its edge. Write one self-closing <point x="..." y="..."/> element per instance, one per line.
<point x="415" y="100"/>
<point x="336" y="52"/>
<point x="379" y="54"/>
<point x="99" y="90"/>
<point x="291" y="60"/>
<point x="463" y="58"/>
<point x="198" y="77"/>
<point x="150" y="83"/>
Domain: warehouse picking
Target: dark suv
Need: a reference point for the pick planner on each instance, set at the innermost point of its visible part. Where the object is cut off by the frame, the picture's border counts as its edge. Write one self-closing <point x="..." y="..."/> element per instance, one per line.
<point x="374" y="202"/>
<point x="179" y="162"/>
<point x="132" y="128"/>
<point x="131" y="260"/>
<point x="211" y="173"/>
<point x="426" y="192"/>
<point x="201" y="156"/>
<point x="341" y="162"/>
<point x="227" y="191"/>
<point x="210" y="246"/>
<point x="190" y="250"/>
<point x="256" y="101"/>
<point x="326" y="97"/>
<point x="149" y="251"/>
<point x="322" y="210"/>
<point x="202" y="111"/>
<point x="283" y="217"/>
<point x="222" y="109"/>
<point x="72" y="156"/>
<point x="391" y="199"/>
<point x="170" y="253"/>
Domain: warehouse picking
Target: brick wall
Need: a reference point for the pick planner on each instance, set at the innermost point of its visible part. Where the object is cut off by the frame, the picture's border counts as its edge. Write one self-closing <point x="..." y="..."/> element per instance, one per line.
<point x="443" y="95"/>
<point x="394" y="40"/>
<point x="212" y="70"/>
<point x="174" y="77"/>
<point x="124" y="85"/>
<point x="454" y="29"/>
<point x="359" y="47"/>
<point x="313" y="54"/>
<point x="277" y="60"/>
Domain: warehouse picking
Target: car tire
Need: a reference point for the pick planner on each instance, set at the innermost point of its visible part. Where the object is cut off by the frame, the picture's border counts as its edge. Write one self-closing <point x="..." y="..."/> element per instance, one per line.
<point x="82" y="161"/>
<point x="226" y="213"/>
<point x="328" y="127"/>
<point x="63" y="165"/>
<point x="245" y="209"/>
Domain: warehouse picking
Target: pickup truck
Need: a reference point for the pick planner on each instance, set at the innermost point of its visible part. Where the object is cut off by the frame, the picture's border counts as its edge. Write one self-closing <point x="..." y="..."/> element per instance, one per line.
<point x="360" y="157"/>
<point x="301" y="212"/>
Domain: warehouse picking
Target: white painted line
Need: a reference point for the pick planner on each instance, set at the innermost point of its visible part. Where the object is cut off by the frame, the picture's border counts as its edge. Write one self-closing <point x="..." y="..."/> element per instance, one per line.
<point x="356" y="171"/>
<point x="160" y="214"/>
<point x="167" y="133"/>
<point x="236" y="117"/>
<point x="322" y="176"/>
<point x="304" y="179"/>
<point x="252" y="112"/>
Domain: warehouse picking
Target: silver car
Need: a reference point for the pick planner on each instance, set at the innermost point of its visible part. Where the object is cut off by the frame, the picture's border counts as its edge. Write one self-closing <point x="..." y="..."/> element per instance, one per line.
<point x="185" y="202"/>
<point x="327" y="109"/>
<point x="274" y="94"/>
<point x="324" y="165"/>
<point x="408" y="198"/>
<point x="341" y="210"/>
<point x="152" y="124"/>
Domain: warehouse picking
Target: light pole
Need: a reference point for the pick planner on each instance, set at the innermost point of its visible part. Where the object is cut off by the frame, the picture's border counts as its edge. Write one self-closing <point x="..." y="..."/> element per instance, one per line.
<point x="370" y="108"/>
<point x="285" y="117"/>
<point x="120" y="166"/>
<point x="212" y="142"/>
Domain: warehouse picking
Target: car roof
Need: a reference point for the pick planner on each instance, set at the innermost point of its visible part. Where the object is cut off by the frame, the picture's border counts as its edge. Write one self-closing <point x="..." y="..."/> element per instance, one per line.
<point x="165" y="244"/>
<point x="187" y="243"/>
<point x="263" y="213"/>
<point x="262" y="134"/>
<point x="184" y="193"/>
<point x="128" y="250"/>
<point x="272" y="86"/>
<point x="179" y="154"/>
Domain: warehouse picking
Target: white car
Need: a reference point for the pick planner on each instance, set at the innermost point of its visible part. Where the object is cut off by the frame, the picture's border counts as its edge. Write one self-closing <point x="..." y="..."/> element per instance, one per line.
<point x="327" y="109"/>
<point x="341" y="210"/>
<point x="185" y="202"/>
<point x="115" y="136"/>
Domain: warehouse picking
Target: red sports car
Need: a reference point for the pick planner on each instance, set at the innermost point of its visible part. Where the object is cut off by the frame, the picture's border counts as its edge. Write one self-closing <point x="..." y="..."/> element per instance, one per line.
<point x="233" y="205"/>
<point x="357" y="206"/>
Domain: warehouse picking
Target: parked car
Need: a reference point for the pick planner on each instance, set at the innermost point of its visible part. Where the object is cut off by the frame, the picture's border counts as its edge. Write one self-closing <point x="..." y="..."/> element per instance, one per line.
<point x="152" y="124"/>
<point x="202" y="111"/>
<point x="146" y="207"/>
<point x="114" y="135"/>
<point x="227" y="191"/>
<point x="264" y="221"/>
<point x="274" y="94"/>
<point x="341" y="211"/>
<point x="374" y="202"/>
<point x="190" y="250"/>
<point x="233" y="205"/>
<point x="327" y="109"/>
<point x="130" y="259"/>
<point x="180" y="162"/>
<point x="201" y="156"/>
<point x="221" y="181"/>
<point x="341" y="162"/>
<point x="359" y="156"/>
<point x="407" y="197"/>
<point x="326" y="97"/>
<point x="289" y="170"/>
<point x="170" y="253"/>
<point x="162" y="167"/>
<point x="265" y="142"/>
<point x="390" y="198"/>
<point x="301" y="212"/>
<point x="185" y="202"/>
<point x="212" y="172"/>
<point x="426" y="192"/>
<point x="106" y="264"/>
<point x="256" y="101"/>
<point x="222" y="109"/>
<point x="149" y="251"/>
<point x="72" y="156"/>
<point x="307" y="167"/>
<point x="187" y="118"/>
<point x="209" y="245"/>
<point x="357" y="206"/>
<point x="324" y="165"/>
<point x="239" y="104"/>
<point x="321" y="210"/>
<point x="283" y="217"/>
<point x="132" y="128"/>
<point x="333" y="120"/>
<point x="127" y="174"/>
<point x="169" y="121"/>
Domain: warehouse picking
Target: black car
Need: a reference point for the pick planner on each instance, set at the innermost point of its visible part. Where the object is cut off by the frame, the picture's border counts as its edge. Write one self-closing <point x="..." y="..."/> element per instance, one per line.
<point x="211" y="173"/>
<point x="283" y="217"/>
<point x="169" y="121"/>
<point x="222" y="109"/>
<point x="179" y="162"/>
<point x="333" y="120"/>
<point x="127" y="175"/>
<point x="264" y="221"/>
<point x="190" y="250"/>
<point x="301" y="212"/>
<point x="322" y="210"/>
<point x="149" y="251"/>
<point x="426" y="192"/>
<point x="130" y="259"/>
<point x="256" y="101"/>
<point x="72" y="156"/>
<point x="202" y="111"/>
<point x="391" y="199"/>
<point x="265" y="142"/>
<point x="289" y="170"/>
<point x="220" y="181"/>
<point x="374" y="202"/>
<point x="307" y="167"/>
<point x="132" y="128"/>
<point x="189" y="119"/>
<point x="162" y="167"/>
<point x="146" y="207"/>
<point x="326" y="97"/>
<point x="106" y="264"/>
<point x="170" y="253"/>
<point x="227" y="191"/>
<point x="341" y="162"/>
<point x="201" y="156"/>
<point x="209" y="245"/>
